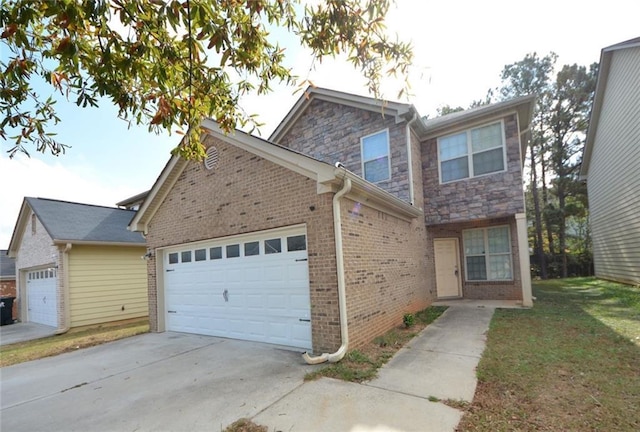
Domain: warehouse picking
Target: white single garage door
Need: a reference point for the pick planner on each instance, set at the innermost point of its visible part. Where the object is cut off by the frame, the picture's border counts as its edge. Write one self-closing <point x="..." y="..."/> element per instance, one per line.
<point x="247" y="287"/>
<point x="42" y="306"/>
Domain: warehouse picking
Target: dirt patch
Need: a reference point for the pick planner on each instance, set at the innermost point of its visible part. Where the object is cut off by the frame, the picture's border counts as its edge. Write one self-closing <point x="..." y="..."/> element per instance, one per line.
<point x="245" y="425"/>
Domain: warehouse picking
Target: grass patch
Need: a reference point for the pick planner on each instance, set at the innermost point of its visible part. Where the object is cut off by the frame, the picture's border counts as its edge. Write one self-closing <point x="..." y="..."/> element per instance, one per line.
<point x="73" y="340"/>
<point x="362" y="364"/>
<point x="569" y="363"/>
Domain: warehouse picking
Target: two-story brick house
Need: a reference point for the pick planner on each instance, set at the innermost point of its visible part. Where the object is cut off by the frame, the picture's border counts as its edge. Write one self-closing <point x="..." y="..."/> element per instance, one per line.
<point x="353" y="213"/>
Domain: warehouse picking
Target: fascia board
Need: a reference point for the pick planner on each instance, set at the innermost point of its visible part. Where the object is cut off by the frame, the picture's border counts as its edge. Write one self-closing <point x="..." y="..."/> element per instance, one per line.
<point x="596" y="109"/>
<point x="158" y="193"/>
<point x="371" y="195"/>
<point x="18" y="230"/>
<point x="96" y="243"/>
<point x="522" y="106"/>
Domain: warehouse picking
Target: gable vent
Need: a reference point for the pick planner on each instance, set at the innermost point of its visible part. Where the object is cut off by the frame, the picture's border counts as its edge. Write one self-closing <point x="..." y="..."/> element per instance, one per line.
<point x="211" y="161"/>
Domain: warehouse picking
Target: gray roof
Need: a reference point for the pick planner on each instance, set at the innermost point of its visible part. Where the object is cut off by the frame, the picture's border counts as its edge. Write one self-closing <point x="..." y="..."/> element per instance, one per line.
<point x="455" y="118"/>
<point x="139" y="198"/>
<point x="70" y="221"/>
<point x="7" y="265"/>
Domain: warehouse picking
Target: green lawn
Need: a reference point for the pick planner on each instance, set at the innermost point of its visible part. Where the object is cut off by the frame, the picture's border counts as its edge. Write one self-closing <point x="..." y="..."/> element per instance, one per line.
<point x="571" y="363"/>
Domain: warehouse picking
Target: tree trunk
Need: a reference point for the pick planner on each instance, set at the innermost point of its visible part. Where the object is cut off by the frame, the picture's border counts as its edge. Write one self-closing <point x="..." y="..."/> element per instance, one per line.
<point x="536" y="208"/>
<point x="562" y="228"/>
<point x="545" y="202"/>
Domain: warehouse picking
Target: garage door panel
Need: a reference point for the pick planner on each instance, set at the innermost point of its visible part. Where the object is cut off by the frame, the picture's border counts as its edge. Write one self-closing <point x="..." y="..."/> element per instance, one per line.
<point x="273" y="273"/>
<point x="297" y="273"/>
<point x="255" y="301"/>
<point x="257" y="297"/>
<point x="298" y="332"/>
<point x="42" y="305"/>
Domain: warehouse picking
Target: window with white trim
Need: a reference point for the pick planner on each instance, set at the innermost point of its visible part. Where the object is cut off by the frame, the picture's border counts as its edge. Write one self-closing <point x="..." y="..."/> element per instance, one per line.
<point x="472" y="153"/>
<point x="487" y="253"/>
<point x="376" y="165"/>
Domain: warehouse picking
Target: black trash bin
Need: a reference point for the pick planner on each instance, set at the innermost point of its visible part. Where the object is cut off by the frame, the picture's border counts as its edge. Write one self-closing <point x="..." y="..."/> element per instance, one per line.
<point x="6" y="310"/>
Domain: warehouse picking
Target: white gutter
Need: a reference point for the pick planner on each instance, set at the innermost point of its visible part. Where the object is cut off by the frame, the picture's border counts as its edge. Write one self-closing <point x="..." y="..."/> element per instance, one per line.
<point x="66" y="301"/>
<point x="342" y="296"/>
<point x="409" y="159"/>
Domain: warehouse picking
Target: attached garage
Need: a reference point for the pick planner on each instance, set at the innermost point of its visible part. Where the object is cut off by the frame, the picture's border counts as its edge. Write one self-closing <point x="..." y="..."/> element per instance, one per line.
<point x="250" y="287"/>
<point x="41" y="297"/>
<point x="250" y="247"/>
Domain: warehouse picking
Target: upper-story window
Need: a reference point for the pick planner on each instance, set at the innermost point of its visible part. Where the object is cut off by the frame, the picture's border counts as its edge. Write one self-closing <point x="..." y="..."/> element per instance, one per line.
<point x="375" y="157"/>
<point x="472" y="153"/>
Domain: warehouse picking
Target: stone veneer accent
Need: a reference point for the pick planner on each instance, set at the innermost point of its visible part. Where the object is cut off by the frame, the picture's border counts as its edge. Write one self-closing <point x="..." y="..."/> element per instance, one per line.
<point x="331" y="132"/>
<point x="492" y="195"/>
<point x="244" y="194"/>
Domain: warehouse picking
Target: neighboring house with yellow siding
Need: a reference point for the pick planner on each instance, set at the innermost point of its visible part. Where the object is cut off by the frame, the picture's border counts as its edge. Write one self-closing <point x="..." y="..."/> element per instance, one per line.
<point x="77" y="264"/>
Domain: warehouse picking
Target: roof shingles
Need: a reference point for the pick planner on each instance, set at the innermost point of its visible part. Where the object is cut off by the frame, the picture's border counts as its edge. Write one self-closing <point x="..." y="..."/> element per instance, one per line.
<point x="69" y="221"/>
<point x="7" y="266"/>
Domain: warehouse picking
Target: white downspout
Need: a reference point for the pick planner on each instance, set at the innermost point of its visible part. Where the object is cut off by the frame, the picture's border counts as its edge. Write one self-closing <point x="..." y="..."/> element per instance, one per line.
<point x="342" y="296"/>
<point x="409" y="158"/>
<point x="67" y="302"/>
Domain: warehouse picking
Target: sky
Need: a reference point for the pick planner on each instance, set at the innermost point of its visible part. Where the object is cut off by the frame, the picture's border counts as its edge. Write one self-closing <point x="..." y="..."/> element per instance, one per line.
<point x="460" y="48"/>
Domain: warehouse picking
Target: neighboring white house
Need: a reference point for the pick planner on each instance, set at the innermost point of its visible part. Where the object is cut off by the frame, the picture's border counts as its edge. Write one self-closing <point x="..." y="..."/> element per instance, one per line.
<point x="611" y="164"/>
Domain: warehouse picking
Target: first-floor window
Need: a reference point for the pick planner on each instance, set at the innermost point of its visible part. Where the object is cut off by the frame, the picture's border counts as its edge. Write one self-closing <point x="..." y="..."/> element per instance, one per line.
<point x="487" y="254"/>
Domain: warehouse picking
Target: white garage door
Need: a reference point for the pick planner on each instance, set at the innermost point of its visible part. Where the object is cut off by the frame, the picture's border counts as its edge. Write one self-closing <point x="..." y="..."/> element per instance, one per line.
<point x="41" y="297"/>
<point x="249" y="287"/>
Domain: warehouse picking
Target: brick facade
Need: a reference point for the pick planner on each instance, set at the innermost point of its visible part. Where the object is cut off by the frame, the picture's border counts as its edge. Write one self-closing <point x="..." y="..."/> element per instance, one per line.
<point x="331" y="132"/>
<point x="494" y="195"/>
<point x="385" y="270"/>
<point x="244" y="194"/>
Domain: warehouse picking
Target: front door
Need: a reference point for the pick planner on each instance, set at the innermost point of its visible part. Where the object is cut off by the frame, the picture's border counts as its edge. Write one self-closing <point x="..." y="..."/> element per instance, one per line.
<point x="447" y="258"/>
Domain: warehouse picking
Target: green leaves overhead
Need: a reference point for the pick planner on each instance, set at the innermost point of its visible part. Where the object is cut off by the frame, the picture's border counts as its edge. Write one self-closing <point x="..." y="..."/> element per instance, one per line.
<point x="168" y="64"/>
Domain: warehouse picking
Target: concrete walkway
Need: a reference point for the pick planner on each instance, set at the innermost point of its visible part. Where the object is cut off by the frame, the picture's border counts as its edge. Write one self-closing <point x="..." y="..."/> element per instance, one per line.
<point x="438" y="364"/>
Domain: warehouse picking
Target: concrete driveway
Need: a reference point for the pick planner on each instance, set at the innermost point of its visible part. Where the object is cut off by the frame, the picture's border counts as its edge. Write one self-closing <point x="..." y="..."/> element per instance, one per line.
<point x="20" y="332"/>
<point x="157" y="381"/>
<point x="181" y="382"/>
